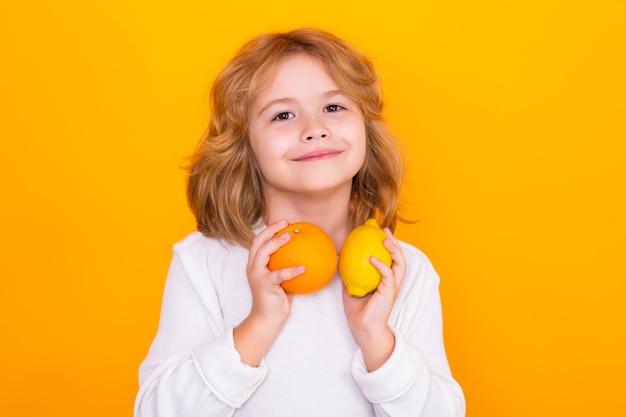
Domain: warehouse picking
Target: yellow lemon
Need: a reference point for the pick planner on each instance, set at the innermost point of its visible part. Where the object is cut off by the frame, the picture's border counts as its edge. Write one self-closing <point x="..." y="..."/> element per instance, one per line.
<point x="355" y="269"/>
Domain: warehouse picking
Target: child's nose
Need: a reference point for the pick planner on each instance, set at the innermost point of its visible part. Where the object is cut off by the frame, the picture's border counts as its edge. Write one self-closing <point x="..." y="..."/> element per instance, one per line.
<point x="321" y="135"/>
<point x="315" y="129"/>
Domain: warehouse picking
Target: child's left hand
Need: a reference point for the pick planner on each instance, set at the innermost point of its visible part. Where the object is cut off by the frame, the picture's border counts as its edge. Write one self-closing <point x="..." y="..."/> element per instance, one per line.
<point x="368" y="316"/>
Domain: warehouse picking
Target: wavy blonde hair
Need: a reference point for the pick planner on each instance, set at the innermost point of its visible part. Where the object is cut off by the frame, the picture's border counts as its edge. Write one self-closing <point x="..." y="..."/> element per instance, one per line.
<point x="224" y="188"/>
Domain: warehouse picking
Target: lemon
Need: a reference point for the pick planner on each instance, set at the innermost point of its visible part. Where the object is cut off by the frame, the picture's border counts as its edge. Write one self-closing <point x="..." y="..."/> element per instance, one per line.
<point x="355" y="269"/>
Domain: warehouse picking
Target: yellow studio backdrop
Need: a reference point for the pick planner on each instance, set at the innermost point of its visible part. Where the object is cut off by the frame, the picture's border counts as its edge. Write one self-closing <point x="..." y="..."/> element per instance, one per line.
<point x="513" y="116"/>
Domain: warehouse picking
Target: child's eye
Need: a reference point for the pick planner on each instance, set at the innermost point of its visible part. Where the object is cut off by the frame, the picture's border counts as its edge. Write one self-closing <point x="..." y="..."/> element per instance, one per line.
<point x="331" y="108"/>
<point x="283" y="116"/>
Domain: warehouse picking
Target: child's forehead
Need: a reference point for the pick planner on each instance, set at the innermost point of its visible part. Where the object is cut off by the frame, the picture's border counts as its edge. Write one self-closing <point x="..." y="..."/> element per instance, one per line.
<point x="299" y="77"/>
<point x="295" y="59"/>
<point x="294" y="66"/>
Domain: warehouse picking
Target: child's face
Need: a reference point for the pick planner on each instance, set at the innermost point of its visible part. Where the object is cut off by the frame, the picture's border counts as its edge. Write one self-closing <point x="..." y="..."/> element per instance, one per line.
<point x="306" y="135"/>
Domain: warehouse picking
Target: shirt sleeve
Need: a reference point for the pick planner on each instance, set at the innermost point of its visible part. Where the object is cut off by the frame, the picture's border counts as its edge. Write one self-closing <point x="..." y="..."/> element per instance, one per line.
<point x="192" y="367"/>
<point x="416" y="379"/>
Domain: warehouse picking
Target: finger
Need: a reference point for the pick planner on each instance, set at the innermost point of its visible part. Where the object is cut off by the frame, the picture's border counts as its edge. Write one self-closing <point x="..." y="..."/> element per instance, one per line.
<point x="262" y="256"/>
<point x="382" y="267"/>
<point x="287" y="274"/>
<point x="266" y="234"/>
<point x="391" y="243"/>
<point x="387" y="276"/>
<point x="398" y="265"/>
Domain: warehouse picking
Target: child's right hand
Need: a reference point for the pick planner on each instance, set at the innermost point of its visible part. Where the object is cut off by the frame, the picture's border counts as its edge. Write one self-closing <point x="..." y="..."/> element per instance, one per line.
<point x="270" y="304"/>
<point x="269" y="300"/>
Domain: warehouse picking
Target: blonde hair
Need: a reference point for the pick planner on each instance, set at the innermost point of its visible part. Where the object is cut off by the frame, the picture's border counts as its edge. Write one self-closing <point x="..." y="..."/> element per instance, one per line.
<point x="224" y="188"/>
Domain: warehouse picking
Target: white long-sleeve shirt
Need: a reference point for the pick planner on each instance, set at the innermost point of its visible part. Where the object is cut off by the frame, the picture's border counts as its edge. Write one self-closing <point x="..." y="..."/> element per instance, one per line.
<point x="314" y="367"/>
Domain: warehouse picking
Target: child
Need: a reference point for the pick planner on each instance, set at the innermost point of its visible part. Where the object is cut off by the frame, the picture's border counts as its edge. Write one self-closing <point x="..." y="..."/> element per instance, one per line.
<point x="296" y="134"/>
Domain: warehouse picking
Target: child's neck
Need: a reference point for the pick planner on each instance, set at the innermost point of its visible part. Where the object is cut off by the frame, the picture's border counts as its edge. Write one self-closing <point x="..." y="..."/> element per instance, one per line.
<point x="331" y="215"/>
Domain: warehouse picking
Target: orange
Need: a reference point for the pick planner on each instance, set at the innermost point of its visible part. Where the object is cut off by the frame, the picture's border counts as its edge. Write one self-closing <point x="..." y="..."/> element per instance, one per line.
<point x="357" y="272"/>
<point x="309" y="246"/>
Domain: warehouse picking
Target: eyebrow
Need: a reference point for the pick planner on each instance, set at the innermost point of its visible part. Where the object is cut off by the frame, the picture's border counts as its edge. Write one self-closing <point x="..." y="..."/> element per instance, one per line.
<point x="327" y="94"/>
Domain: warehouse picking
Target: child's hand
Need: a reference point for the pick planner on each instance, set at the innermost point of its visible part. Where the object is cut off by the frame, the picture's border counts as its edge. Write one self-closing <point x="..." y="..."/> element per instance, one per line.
<point x="269" y="300"/>
<point x="368" y="316"/>
<point x="270" y="304"/>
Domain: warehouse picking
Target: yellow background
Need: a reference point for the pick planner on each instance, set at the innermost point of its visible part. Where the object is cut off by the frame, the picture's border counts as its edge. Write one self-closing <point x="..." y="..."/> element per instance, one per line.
<point x="513" y="113"/>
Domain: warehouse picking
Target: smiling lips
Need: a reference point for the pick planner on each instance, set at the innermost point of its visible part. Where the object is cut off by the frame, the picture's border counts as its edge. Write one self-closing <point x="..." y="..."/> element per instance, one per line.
<point x="317" y="155"/>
